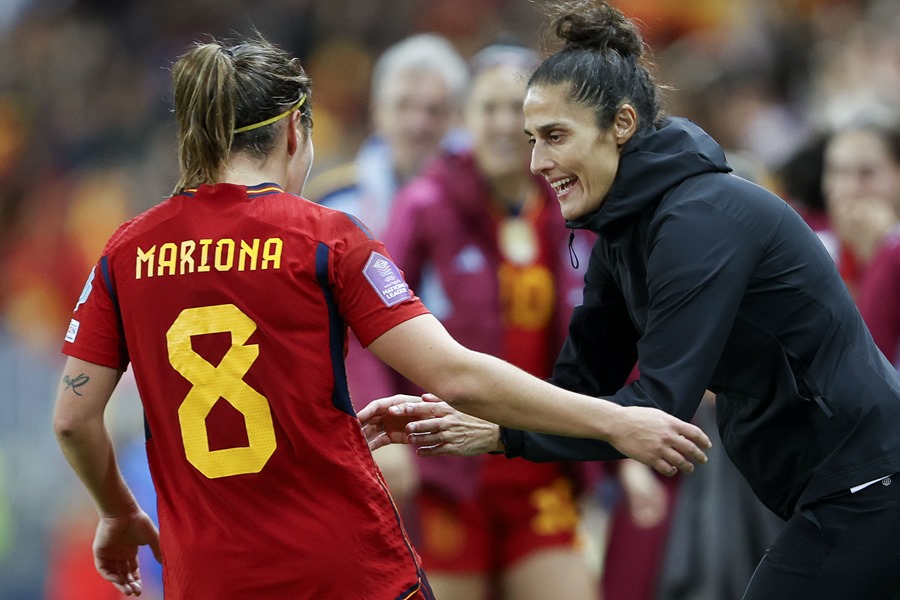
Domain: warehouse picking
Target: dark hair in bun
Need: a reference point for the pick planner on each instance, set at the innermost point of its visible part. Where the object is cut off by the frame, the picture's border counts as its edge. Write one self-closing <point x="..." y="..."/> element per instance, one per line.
<point x="602" y="58"/>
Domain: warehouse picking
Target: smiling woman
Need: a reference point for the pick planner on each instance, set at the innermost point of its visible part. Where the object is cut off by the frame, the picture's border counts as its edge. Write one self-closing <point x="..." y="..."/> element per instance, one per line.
<point x="570" y="150"/>
<point x="708" y="281"/>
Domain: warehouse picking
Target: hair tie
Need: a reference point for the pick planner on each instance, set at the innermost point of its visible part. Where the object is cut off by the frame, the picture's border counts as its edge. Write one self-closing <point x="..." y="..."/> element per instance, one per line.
<point x="273" y="119"/>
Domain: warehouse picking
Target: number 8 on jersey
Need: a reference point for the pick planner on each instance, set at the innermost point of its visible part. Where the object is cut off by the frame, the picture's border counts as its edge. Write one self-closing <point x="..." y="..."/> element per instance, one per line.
<point x="223" y="381"/>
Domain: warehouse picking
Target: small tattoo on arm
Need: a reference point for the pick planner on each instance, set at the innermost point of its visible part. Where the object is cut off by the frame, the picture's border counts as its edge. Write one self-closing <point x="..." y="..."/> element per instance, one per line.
<point x="76" y="382"/>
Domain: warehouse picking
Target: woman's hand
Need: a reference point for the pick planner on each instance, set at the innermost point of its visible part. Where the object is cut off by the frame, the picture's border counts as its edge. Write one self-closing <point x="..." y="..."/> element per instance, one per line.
<point x="649" y="435"/>
<point x="115" y="549"/>
<point x="382" y="427"/>
<point x="658" y="439"/>
<point x="433" y="425"/>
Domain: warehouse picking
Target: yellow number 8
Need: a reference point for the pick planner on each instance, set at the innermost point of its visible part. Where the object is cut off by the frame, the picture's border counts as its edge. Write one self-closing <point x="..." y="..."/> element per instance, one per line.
<point x="223" y="381"/>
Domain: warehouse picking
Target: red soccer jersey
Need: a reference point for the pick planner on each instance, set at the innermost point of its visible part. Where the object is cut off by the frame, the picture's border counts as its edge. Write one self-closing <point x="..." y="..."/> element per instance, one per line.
<point x="231" y="304"/>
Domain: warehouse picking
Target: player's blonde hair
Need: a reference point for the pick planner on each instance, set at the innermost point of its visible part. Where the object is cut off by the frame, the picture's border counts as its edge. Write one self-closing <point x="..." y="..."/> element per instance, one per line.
<point x="226" y="100"/>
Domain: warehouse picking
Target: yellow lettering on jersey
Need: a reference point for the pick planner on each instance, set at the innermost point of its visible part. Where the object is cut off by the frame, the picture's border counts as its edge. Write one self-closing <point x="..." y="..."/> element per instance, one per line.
<point x="272" y="253"/>
<point x="224" y="254"/>
<point x="182" y="257"/>
<point x="144" y="258"/>
<point x="204" y="256"/>
<point x="168" y="257"/>
<point x="187" y="256"/>
<point x="248" y="251"/>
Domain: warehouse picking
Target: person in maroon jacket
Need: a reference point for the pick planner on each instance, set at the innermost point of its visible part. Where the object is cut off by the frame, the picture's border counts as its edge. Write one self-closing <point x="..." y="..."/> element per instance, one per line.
<point x="482" y="241"/>
<point x="862" y="181"/>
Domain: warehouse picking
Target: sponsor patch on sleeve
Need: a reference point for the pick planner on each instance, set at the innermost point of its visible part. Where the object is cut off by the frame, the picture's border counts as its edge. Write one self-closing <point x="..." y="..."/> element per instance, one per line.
<point x="72" y="331"/>
<point x="384" y="277"/>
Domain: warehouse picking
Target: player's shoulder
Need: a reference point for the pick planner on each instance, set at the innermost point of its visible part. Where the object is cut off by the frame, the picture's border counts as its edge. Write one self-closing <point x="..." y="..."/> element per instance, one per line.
<point x="307" y="218"/>
<point x="337" y="224"/>
<point x="134" y="227"/>
<point x="333" y="182"/>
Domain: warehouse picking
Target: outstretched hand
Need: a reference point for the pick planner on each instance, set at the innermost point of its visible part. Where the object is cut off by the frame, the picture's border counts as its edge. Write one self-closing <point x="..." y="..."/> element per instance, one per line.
<point x="116" y="545"/>
<point x="648" y="435"/>
<point x="658" y="439"/>
<point x="439" y="429"/>
<point x="381" y="426"/>
<point x="428" y="422"/>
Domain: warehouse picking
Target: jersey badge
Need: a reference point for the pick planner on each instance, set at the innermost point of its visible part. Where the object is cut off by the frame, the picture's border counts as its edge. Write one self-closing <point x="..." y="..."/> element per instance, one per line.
<point x="384" y="277"/>
<point x="72" y="332"/>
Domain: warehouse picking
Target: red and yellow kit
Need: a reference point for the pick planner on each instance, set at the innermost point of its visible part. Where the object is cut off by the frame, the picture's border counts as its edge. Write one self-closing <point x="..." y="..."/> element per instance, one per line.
<point x="231" y="304"/>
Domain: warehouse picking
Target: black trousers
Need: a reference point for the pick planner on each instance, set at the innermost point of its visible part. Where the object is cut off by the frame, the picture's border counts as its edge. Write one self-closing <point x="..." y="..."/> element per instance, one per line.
<point x="845" y="547"/>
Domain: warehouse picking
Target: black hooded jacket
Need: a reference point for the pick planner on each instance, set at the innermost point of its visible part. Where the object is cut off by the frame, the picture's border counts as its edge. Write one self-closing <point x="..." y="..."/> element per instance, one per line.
<point x="715" y="283"/>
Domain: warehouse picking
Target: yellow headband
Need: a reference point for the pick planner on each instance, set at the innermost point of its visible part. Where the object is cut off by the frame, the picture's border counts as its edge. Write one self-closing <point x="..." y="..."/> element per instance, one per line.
<point x="273" y="119"/>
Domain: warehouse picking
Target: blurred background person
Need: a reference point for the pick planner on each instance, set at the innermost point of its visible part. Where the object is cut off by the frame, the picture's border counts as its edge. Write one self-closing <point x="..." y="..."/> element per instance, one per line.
<point x="481" y="240"/>
<point x="416" y="90"/>
<point x="861" y="184"/>
<point x="876" y="170"/>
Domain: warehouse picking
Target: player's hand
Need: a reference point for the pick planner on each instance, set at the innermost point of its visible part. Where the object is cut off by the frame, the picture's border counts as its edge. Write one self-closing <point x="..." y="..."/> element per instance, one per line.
<point x="382" y="427"/>
<point x="658" y="439"/>
<point x="116" y="545"/>
<point x="441" y="430"/>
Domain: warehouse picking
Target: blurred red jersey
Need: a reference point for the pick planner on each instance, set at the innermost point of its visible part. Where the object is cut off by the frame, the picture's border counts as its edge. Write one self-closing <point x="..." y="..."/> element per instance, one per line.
<point x="232" y="303"/>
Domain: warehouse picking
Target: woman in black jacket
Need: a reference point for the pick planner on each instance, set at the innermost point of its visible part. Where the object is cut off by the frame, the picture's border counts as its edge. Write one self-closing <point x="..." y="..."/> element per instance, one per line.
<point x="708" y="282"/>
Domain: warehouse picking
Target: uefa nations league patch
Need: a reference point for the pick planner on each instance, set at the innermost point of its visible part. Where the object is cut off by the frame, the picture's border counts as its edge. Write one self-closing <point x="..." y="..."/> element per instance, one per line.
<point x="384" y="277"/>
<point x="72" y="332"/>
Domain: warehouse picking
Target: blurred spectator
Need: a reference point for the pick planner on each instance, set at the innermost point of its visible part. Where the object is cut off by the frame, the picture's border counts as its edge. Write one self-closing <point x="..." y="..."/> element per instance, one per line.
<point x="860" y="183"/>
<point x="481" y="241"/>
<point x="880" y="284"/>
<point x="799" y="181"/>
<point x="417" y="86"/>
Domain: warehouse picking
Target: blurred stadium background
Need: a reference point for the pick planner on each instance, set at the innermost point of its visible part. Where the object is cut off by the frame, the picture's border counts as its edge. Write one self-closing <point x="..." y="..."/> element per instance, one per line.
<point x="87" y="140"/>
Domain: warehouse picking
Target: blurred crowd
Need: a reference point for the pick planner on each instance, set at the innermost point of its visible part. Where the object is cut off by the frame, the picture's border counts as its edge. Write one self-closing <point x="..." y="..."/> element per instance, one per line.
<point x="87" y="141"/>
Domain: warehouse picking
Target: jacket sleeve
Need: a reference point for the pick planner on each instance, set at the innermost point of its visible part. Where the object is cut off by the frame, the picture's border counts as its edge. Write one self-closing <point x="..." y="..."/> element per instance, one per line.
<point x="595" y="360"/>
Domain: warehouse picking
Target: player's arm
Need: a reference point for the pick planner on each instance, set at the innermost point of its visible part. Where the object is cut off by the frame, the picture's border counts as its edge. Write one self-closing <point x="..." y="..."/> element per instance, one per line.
<point x="83" y="394"/>
<point x="492" y="389"/>
<point x="82" y="435"/>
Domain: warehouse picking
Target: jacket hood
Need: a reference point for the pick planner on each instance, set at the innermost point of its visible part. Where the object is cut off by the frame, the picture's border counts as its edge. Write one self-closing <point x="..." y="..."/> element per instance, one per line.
<point x="651" y="164"/>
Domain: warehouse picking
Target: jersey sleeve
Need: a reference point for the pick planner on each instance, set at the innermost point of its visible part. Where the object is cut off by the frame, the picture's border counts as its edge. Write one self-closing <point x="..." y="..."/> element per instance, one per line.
<point x="95" y="331"/>
<point x="372" y="294"/>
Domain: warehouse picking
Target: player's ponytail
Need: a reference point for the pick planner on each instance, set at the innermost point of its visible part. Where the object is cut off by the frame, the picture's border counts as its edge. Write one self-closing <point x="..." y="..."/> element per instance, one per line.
<point x="204" y="89"/>
<point x="233" y="99"/>
<point x="602" y="58"/>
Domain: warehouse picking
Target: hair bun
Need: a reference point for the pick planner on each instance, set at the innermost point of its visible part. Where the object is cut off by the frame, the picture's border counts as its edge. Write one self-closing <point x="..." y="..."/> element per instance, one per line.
<point x="595" y="25"/>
